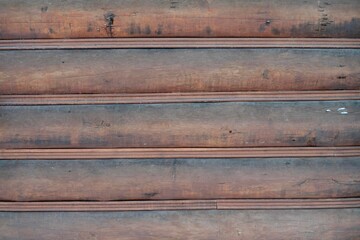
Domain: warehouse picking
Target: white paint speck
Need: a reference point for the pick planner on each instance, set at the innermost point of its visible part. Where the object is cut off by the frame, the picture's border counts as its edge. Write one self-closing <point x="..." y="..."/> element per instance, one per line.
<point x="328" y="110"/>
<point x="341" y="109"/>
<point x="344" y="113"/>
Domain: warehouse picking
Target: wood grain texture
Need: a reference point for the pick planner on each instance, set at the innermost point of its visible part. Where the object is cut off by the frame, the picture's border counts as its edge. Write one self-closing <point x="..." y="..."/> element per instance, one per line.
<point x="159" y="43"/>
<point x="128" y="98"/>
<point x="148" y="205"/>
<point x="121" y="153"/>
<point x="177" y="70"/>
<point x="259" y="124"/>
<point x="159" y="179"/>
<point x="330" y="224"/>
<point x="21" y="19"/>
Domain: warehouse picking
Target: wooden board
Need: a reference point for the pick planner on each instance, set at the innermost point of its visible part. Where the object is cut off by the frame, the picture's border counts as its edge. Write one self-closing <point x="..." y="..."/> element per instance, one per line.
<point x="259" y="124"/>
<point x="331" y="224"/>
<point x="134" y="179"/>
<point x="190" y="97"/>
<point x="182" y="42"/>
<point x="178" y="70"/>
<point x="21" y="19"/>
<point x="167" y="205"/>
<point x="142" y="153"/>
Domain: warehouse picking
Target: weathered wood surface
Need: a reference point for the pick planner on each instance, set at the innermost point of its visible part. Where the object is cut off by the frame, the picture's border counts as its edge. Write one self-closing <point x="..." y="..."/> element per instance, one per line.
<point x="178" y="70"/>
<point x="259" y="124"/>
<point x="21" y="19"/>
<point x="331" y="224"/>
<point x="131" y="153"/>
<point x="189" y="97"/>
<point x="179" y="42"/>
<point x="132" y="179"/>
<point x="166" y="205"/>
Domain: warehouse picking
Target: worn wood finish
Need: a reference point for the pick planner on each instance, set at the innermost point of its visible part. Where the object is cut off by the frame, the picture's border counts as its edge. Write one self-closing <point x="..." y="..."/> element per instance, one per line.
<point x="121" y="153"/>
<point x="148" y="205"/>
<point x="79" y="180"/>
<point x="21" y="19"/>
<point x="118" y="43"/>
<point x="81" y="99"/>
<point x="259" y="124"/>
<point x="178" y="70"/>
<point x="328" y="224"/>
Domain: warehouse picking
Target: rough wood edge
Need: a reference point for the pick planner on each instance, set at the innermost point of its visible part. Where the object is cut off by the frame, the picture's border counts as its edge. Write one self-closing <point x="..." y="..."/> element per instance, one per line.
<point x="234" y="204"/>
<point x="131" y="153"/>
<point x="103" y="43"/>
<point x="73" y="99"/>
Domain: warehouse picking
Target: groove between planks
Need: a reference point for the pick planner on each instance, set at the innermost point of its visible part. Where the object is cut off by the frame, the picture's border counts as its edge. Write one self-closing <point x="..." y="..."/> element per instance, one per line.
<point x="72" y="99"/>
<point x="179" y="205"/>
<point x="106" y="43"/>
<point x="179" y="153"/>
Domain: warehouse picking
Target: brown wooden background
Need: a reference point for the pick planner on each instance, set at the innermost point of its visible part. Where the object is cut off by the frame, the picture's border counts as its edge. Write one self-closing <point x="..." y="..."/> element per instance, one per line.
<point x="178" y="119"/>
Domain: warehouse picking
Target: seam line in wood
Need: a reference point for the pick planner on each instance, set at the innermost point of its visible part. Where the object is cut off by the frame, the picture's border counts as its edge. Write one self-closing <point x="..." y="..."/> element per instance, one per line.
<point x="234" y="204"/>
<point x="76" y="99"/>
<point x="131" y="153"/>
<point x="103" y="43"/>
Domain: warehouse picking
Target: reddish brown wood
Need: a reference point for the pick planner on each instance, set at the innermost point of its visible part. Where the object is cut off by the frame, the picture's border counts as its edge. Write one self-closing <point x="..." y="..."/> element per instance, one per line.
<point x="134" y="71"/>
<point x="85" y="206"/>
<point x="269" y="204"/>
<point x="80" y="180"/>
<point x="118" y="43"/>
<point x="43" y="154"/>
<point x="325" y="224"/>
<point x="237" y="204"/>
<point x="21" y="19"/>
<point x="259" y="124"/>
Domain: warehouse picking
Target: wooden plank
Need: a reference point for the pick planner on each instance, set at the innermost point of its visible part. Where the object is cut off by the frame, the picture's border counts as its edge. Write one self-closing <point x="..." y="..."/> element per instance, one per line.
<point x="128" y="98"/>
<point x="121" y="153"/>
<point x="79" y="180"/>
<point x="234" y="204"/>
<point x="21" y="19"/>
<point x="178" y="70"/>
<point x="110" y="206"/>
<point x="119" y="43"/>
<point x="328" y="224"/>
<point x="258" y="124"/>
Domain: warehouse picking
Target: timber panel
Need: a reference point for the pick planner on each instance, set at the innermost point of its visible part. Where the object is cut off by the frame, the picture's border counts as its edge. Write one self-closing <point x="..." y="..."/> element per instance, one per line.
<point x="243" y="124"/>
<point x="178" y="70"/>
<point x="142" y="179"/>
<point x="23" y="19"/>
<point x="328" y="224"/>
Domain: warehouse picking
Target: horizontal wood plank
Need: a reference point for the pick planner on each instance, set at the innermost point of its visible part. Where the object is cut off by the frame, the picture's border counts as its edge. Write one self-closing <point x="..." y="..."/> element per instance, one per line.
<point x="121" y="153"/>
<point x="124" y="71"/>
<point x="80" y="99"/>
<point x="326" y="224"/>
<point x="21" y="19"/>
<point x="80" y="180"/>
<point x="148" y="205"/>
<point x="243" y="124"/>
<point x="160" y="43"/>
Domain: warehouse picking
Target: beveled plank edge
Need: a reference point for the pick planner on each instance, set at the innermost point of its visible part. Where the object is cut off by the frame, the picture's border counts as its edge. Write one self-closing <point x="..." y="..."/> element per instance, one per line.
<point x="166" y="205"/>
<point x="131" y="153"/>
<point x="103" y="43"/>
<point x="77" y="99"/>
